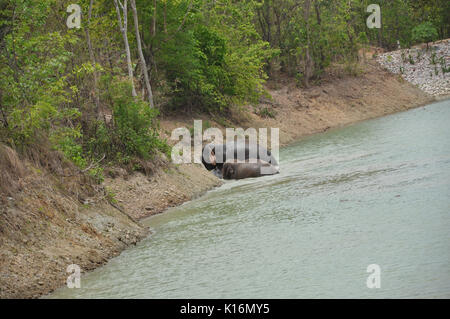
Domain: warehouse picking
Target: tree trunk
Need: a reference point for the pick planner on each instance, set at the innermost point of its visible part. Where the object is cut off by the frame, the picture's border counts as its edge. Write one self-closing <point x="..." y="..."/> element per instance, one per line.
<point x="99" y="111"/>
<point x="308" y="61"/>
<point x="380" y="34"/>
<point x="278" y="22"/>
<point x="266" y="15"/>
<point x="319" y="22"/>
<point x="261" y="23"/>
<point x="154" y="19"/>
<point x="141" y="55"/>
<point x="2" y="111"/>
<point x="123" y="29"/>
<point x="165" y="17"/>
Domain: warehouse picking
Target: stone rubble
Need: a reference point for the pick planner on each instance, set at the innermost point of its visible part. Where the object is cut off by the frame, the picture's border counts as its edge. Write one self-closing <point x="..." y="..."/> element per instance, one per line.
<point x="416" y="66"/>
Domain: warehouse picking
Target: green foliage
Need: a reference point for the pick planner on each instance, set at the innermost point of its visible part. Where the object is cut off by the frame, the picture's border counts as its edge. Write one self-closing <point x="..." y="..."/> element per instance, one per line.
<point x="46" y="88"/>
<point x="133" y="132"/>
<point x="110" y="195"/>
<point x="433" y="58"/>
<point x="362" y="38"/>
<point x="213" y="65"/>
<point x="133" y="120"/>
<point x="444" y="67"/>
<point x="266" y="112"/>
<point x="67" y="140"/>
<point x="202" y="80"/>
<point x="424" y="32"/>
<point x="201" y="55"/>
<point x="97" y="174"/>
<point x="34" y="73"/>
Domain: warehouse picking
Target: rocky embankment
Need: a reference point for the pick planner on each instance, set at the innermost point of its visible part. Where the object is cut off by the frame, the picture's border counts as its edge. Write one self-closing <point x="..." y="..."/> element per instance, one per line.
<point x="428" y="68"/>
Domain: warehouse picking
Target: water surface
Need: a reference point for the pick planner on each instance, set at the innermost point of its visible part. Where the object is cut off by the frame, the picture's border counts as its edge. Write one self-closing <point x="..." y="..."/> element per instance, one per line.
<point x="377" y="192"/>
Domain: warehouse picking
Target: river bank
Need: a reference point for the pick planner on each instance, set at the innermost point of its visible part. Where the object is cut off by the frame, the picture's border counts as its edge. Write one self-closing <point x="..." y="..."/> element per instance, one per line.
<point x="297" y="112"/>
<point x="376" y="190"/>
<point x="49" y="222"/>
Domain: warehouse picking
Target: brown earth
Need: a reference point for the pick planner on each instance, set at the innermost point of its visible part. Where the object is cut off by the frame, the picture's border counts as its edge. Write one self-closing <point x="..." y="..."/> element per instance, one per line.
<point x="50" y="221"/>
<point x="142" y="196"/>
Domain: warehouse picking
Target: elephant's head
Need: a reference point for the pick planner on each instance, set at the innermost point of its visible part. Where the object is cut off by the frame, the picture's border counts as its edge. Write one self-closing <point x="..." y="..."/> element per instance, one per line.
<point x="209" y="157"/>
<point x="228" y="171"/>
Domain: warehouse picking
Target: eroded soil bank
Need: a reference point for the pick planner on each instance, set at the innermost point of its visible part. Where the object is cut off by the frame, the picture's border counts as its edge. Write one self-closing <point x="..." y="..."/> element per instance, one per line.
<point x="49" y="222"/>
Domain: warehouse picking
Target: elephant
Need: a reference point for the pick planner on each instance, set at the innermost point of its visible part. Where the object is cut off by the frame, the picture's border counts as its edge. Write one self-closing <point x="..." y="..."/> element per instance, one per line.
<point x="240" y="170"/>
<point x="214" y="156"/>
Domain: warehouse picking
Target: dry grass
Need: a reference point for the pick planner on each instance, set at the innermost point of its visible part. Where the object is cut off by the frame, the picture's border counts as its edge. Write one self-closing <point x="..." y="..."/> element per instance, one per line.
<point x="12" y="170"/>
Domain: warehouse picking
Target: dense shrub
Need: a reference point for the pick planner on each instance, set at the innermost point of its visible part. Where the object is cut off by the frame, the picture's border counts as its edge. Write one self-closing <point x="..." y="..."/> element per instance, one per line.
<point x="424" y="32"/>
<point x="133" y="131"/>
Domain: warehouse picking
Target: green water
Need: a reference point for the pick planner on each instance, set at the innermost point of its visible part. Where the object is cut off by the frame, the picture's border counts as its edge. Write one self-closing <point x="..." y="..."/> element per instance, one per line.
<point x="377" y="192"/>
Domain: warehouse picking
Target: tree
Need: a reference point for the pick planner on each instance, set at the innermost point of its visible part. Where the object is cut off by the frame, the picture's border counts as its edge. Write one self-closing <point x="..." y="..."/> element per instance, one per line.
<point x="308" y="59"/>
<point x="100" y="113"/>
<point x="424" y="32"/>
<point x="123" y="29"/>
<point x="141" y="55"/>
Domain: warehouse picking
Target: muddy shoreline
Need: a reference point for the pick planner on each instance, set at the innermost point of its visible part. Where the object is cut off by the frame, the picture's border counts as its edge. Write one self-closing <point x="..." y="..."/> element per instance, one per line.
<point x="45" y="227"/>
